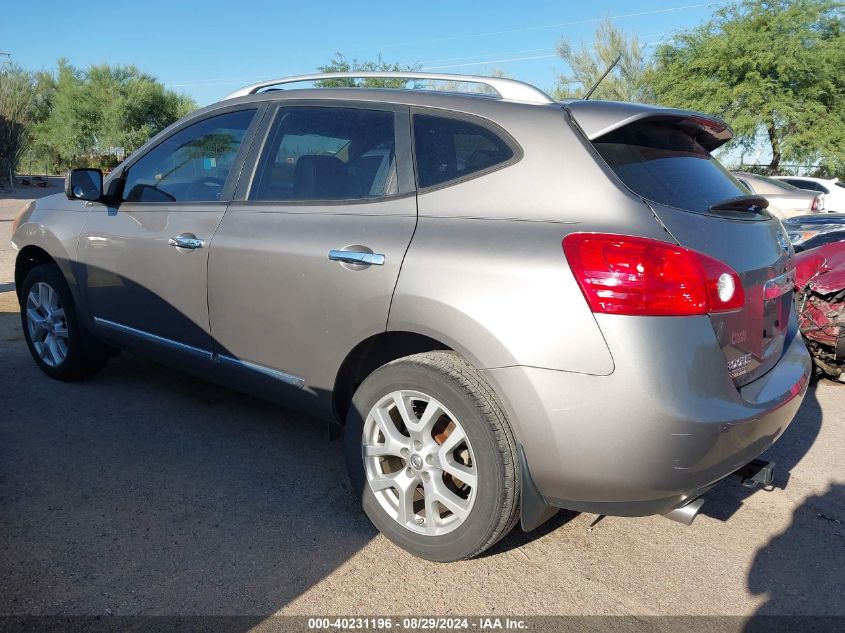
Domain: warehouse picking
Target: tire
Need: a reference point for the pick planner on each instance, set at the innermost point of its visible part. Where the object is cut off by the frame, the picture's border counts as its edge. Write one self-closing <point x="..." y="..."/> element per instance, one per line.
<point x="71" y="353"/>
<point x="422" y="462"/>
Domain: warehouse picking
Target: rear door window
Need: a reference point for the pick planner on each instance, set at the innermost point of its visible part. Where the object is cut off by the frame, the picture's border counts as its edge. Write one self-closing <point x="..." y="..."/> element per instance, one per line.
<point x="666" y="165"/>
<point x="328" y="153"/>
<point x="448" y="149"/>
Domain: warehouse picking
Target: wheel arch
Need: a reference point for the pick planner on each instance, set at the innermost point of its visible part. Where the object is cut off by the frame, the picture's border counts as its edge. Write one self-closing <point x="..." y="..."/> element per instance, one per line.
<point x="28" y="258"/>
<point x="369" y="355"/>
<point x="33" y="255"/>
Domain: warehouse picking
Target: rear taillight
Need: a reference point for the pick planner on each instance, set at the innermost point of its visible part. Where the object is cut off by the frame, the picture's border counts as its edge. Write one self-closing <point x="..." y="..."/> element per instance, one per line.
<point x="619" y="274"/>
<point x="818" y="204"/>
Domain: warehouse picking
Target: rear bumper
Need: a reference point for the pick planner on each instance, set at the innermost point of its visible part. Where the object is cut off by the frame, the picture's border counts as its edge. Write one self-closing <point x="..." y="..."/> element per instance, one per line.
<point x="659" y="431"/>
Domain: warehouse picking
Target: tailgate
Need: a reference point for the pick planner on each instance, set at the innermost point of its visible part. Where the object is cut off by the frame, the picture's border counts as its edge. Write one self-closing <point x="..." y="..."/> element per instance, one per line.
<point x="664" y="157"/>
<point x="752" y="339"/>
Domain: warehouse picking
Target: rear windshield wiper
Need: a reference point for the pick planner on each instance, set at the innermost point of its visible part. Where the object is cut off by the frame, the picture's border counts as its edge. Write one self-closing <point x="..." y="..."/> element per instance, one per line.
<point x="752" y="203"/>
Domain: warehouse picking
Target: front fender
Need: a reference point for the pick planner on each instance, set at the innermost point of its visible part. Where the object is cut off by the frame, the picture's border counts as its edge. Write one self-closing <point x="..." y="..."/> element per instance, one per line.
<point x="52" y="225"/>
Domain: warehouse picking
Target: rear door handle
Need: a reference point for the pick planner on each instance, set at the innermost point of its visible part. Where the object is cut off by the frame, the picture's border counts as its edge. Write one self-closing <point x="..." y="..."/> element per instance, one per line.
<point x="186" y="240"/>
<point x="356" y="257"/>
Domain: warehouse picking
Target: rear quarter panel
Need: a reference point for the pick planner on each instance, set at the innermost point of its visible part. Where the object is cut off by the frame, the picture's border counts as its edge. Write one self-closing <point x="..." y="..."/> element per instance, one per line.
<point x="500" y="293"/>
<point x="485" y="272"/>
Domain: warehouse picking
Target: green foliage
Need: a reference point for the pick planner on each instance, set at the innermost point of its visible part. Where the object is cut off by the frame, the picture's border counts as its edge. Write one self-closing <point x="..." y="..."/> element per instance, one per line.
<point x="340" y="64"/>
<point x="770" y="66"/>
<point x="17" y="94"/>
<point x="84" y="118"/>
<point x="626" y="82"/>
<point x="463" y="86"/>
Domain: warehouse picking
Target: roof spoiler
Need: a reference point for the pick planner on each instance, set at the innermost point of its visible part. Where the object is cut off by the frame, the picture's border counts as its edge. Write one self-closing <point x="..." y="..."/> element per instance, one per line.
<point x="597" y="118"/>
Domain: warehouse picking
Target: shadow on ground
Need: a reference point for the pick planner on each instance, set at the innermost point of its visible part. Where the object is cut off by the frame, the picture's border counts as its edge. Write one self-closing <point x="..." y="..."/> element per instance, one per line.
<point x="790" y="564"/>
<point x="147" y="491"/>
<point x="728" y="496"/>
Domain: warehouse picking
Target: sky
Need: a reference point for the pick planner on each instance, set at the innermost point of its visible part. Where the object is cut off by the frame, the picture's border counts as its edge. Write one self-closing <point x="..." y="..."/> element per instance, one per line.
<point x="210" y="48"/>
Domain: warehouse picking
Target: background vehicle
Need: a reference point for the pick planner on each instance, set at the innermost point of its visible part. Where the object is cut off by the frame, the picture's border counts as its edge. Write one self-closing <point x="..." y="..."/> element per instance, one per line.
<point x="785" y="201"/>
<point x="531" y="305"/>
<point x="832" y="189"/>
<point x="820" y="286"/>
<point x="810" y="231"/>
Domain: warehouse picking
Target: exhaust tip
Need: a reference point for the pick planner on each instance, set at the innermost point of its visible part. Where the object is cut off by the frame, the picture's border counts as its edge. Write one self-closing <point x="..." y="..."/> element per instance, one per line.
<point x="686" y="513"/>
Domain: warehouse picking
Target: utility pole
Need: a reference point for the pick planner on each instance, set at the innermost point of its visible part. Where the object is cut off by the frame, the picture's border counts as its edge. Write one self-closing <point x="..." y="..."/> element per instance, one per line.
<point x="11" y="176"/>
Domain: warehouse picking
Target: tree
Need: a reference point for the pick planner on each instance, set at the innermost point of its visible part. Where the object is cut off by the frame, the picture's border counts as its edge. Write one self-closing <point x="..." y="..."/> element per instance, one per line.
<point x="98" y="112"/>
<point x="463" y="86"/>
<point x="770" y="66"/>
<point x="135" y="106"/>
<point x="17" y="92"/>
<point x="627" y="80"/>
<point x="67" y="132"/>
<point x="340" y="64"/>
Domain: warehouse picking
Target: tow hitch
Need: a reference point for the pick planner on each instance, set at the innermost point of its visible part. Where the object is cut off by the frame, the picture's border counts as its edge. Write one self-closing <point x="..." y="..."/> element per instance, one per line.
<point x="757" y="472"/>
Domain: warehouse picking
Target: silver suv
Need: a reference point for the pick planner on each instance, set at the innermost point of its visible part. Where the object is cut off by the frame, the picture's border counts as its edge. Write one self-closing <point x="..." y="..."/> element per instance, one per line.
<point x="512" y="304"/>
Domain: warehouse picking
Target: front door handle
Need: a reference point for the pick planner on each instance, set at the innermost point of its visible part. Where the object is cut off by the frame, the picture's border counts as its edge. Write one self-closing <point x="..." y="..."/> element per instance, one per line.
<point x="356" y="257"/>
<point x="186" y="240"/>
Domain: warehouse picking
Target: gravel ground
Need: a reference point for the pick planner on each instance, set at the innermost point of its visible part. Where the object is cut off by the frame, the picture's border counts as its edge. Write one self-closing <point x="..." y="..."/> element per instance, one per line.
<point x="144" y="491"/>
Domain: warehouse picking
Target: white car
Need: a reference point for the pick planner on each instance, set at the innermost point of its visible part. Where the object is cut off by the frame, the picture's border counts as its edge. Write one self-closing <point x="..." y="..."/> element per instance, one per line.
<point x="833" y="190"/>
<point x="785" y="201"/>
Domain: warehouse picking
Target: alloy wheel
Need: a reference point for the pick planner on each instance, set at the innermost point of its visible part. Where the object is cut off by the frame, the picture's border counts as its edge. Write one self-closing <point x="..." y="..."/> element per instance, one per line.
<point x="47" y="324"/>
<point x="419" y="462"/>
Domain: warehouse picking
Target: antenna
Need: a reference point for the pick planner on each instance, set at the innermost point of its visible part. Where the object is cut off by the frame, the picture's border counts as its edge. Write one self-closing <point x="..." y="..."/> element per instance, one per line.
<point x="601" y="79"/>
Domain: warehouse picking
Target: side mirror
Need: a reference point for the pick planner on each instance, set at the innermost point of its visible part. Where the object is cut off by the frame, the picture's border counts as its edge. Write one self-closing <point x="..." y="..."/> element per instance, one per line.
<point x="84" y="184"/>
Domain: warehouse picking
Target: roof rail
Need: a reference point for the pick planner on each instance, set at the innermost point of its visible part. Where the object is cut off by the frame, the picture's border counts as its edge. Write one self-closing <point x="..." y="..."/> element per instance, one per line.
<point x="509" y="89"/>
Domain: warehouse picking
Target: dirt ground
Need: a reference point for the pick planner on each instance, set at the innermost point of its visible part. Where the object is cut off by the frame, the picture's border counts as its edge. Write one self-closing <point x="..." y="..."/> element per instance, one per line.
<point x="144" y="491"/>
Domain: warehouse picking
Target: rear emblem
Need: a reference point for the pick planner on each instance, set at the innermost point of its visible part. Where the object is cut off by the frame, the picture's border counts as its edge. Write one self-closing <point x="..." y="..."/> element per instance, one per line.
<point x="738" y="337"/>
<point x="738" y="366"/>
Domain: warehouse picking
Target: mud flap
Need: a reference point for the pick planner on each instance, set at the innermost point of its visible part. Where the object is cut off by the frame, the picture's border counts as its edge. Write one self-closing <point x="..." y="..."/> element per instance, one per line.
<point x="534" y="511"/>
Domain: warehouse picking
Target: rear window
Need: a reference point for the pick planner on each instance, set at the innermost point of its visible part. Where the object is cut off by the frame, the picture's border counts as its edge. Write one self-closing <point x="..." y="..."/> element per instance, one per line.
<point x="779" y="184"/>
<point x="666" y="165"/>
<point x="807" y="185"/>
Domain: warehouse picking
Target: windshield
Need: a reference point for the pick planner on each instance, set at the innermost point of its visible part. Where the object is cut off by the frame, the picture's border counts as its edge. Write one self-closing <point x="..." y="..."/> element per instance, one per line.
<point x="666" y="165"/>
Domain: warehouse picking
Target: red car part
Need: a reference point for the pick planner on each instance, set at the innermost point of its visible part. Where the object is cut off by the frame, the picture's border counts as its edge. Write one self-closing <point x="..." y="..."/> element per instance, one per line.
<point x="820" y="300"/>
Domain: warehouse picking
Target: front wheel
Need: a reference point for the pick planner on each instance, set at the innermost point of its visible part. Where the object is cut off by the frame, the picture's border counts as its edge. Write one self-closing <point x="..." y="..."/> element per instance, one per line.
<point x="432" y="456"/>
<point x="60" y="347"/>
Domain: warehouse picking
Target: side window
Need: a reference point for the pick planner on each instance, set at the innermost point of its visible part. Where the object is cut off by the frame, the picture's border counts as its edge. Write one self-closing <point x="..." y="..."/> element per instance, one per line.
<point x="447" y="149"/>
<point x="190" y="166"/>
<point x="325" y="153"/>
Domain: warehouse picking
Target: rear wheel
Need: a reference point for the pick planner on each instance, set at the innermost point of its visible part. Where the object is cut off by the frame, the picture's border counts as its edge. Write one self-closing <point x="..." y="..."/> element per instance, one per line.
<point x="53" y="334"/>
<point x="432" y="456"/>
